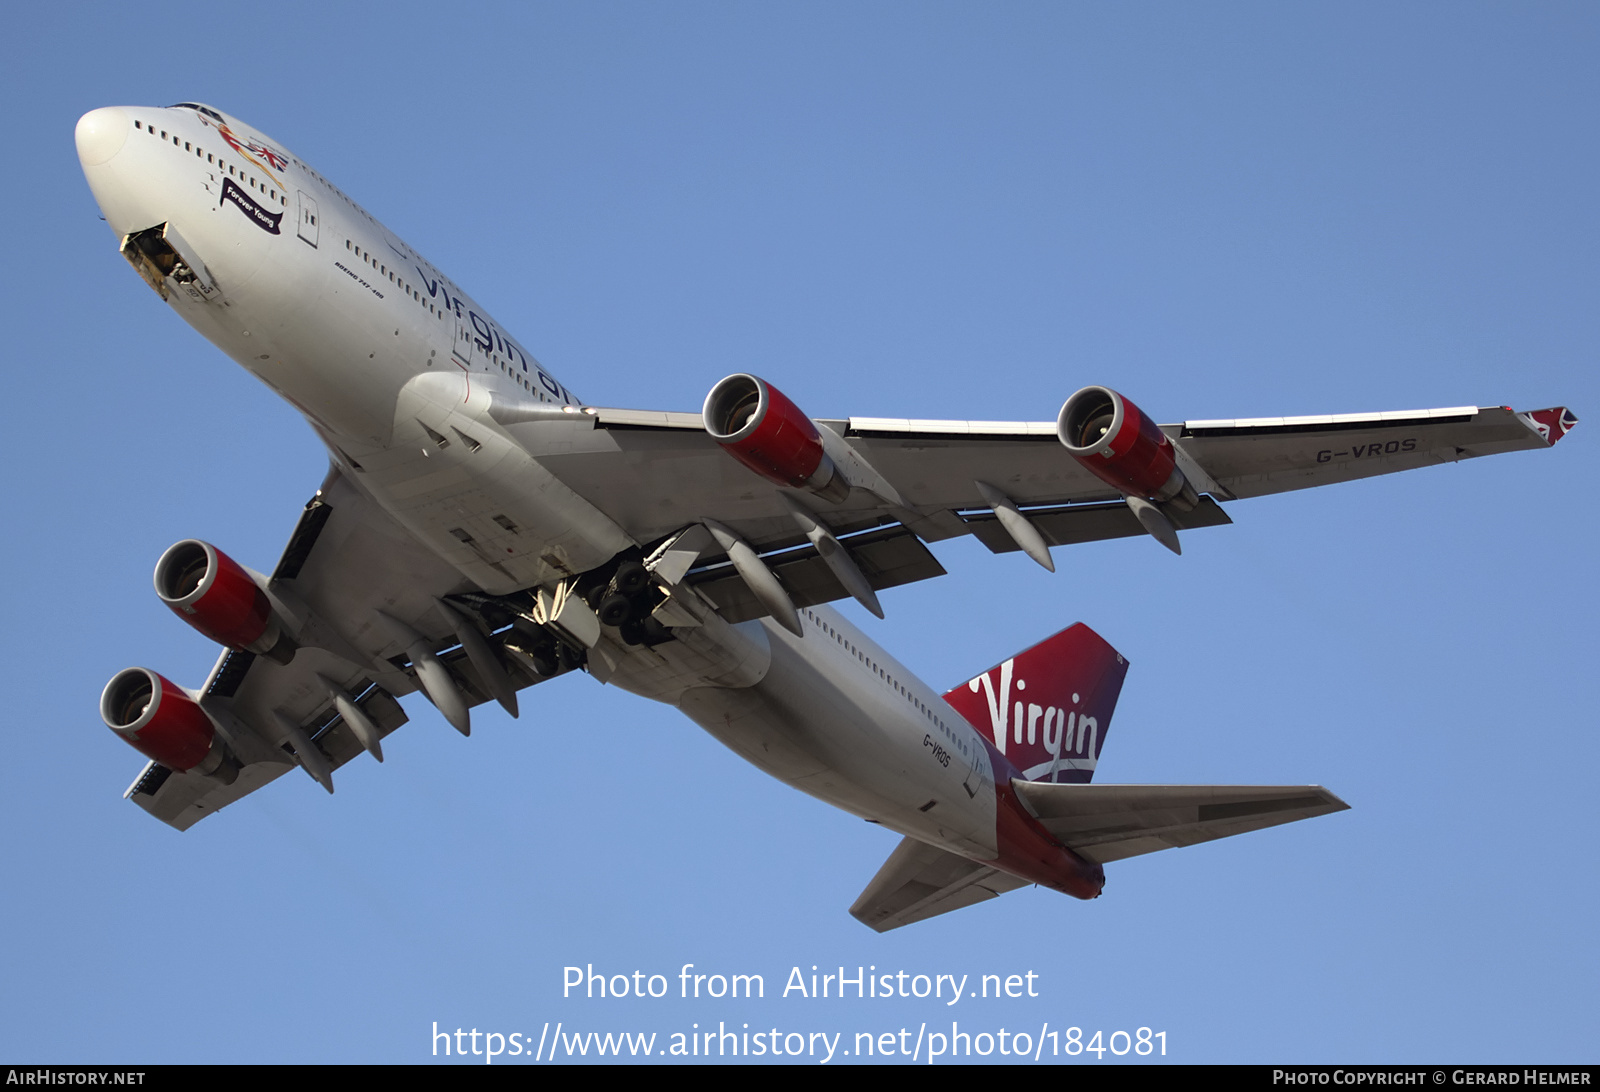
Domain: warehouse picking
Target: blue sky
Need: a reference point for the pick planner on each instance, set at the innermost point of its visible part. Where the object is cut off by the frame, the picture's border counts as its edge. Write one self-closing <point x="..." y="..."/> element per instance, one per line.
<point x="932" y="210"/>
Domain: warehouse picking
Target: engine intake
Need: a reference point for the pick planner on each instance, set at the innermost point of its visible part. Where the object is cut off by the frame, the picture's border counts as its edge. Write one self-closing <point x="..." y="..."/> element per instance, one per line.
<point x="212" y="592"/>
<point x="1122" y="447"/>
<point x="162" y="722"/>
<point x="757" y="425"/>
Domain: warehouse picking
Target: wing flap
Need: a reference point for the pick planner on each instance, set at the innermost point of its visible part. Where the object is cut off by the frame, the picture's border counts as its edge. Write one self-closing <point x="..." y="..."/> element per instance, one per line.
<point x="330" y="733"/>
<point x="1111" y="822"/>
<point x="920" y="881"/>
<point x="887" y="557"/>
<point x="182" y="800"/>
<point x="1067" y="525"/>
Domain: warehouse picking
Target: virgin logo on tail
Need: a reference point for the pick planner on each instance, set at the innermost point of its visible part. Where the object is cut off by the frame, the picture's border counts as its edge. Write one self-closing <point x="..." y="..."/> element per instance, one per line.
<point x="1047" y="709"/>
<point x="1059" y="730"/>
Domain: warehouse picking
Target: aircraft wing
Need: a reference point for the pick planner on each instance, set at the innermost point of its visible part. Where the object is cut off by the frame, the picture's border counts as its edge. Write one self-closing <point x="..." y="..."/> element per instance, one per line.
<point x="657" y="473"/>
<point x="1109" y="822"/>
<point x="1251" y="458"/>
<point x="346" y="560"/>
<point x="654" y="473"/>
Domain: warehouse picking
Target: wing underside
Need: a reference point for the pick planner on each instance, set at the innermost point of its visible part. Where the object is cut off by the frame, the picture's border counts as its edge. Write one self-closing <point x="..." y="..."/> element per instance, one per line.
<point x="655" y="474"/>
<point x="345" y="562"/>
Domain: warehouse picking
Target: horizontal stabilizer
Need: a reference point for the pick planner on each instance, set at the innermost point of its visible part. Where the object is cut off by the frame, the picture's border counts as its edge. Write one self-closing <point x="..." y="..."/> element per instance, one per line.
<point x="1109" y="822"/>
<point x="920" y="881"/>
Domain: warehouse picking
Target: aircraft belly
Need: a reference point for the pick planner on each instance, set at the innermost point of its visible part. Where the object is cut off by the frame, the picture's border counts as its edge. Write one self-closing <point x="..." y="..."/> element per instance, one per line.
<point x="809" y="724"/>
<point x="714" y="654"/>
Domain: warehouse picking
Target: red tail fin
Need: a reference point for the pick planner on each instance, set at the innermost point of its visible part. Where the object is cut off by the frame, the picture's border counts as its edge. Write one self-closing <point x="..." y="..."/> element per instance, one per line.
<point x="1048" y="709"/>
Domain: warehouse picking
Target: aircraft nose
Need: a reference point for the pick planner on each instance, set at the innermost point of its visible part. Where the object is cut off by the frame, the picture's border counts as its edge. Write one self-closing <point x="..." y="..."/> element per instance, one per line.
<point x="101" y="134"/>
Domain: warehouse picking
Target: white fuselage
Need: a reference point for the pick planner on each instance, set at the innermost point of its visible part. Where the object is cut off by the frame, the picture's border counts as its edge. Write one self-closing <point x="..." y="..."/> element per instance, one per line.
<point x="395" y="368"/>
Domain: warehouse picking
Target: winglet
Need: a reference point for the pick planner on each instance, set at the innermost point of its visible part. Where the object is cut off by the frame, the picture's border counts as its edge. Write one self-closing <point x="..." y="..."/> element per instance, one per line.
<point x="1551" y="424"/>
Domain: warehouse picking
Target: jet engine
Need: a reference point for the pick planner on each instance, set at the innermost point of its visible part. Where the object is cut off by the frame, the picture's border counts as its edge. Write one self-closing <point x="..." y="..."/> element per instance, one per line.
<point x="162" y="722"/>
<point x="212" y="592"/>
<point x="1122" y="447"/>
<point x="766" y="432"/>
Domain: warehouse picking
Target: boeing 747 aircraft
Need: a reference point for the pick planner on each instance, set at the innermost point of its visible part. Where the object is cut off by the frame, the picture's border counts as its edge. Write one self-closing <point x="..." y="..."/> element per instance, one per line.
<point x="482" y="529"/>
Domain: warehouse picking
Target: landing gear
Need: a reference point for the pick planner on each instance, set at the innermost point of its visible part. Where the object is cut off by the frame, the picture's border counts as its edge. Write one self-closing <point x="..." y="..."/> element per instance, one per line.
<point x="623" y="596"/>
<point x="621" y="593"/>
<point x="511" y="622"/>
<point x="631" y="578"/>
<point x="614" y="609"/>
<point x="546" y="655"/>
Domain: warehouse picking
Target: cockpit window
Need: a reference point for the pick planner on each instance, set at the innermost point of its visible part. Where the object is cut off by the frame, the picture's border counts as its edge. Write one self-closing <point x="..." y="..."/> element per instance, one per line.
<point x="206" y="110"/>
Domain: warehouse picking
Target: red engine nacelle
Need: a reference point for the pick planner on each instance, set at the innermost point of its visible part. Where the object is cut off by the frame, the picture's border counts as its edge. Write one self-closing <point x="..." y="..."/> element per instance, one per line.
<point x="157" y="718"/>
<point x="766" y="432"/>
<point x="212" y="592"/>
<point x="1122" y="447"/>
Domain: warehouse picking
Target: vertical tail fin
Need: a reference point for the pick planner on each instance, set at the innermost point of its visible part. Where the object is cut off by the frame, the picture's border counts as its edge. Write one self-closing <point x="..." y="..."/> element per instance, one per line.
<point x="1048" y="709"/>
